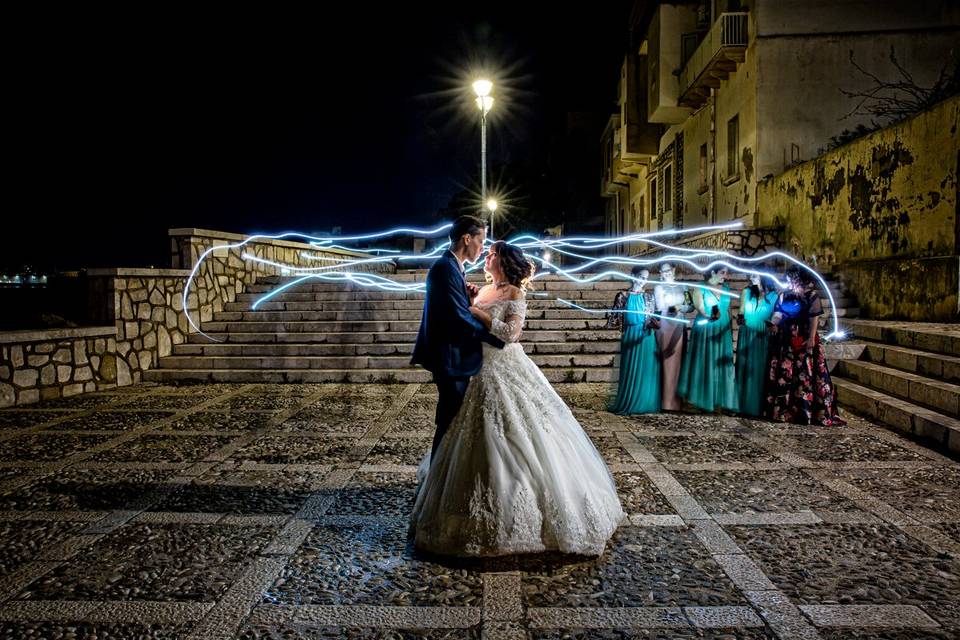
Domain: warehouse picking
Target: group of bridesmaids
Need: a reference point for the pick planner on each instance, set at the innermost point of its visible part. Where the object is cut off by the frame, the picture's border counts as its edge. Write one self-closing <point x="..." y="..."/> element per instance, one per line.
<point x="780" y="371"/>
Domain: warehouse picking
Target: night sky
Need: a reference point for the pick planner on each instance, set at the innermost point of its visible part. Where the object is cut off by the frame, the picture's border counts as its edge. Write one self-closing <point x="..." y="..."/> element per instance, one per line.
<point x="127" y="124"/>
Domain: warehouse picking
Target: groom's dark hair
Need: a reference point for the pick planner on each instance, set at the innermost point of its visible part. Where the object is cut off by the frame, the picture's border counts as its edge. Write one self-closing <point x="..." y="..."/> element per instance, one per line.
<point x="464" y="225"/>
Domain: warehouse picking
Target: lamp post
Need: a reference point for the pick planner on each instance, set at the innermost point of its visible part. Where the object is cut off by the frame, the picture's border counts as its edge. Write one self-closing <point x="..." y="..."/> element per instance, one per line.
<point x="484" y="102"/>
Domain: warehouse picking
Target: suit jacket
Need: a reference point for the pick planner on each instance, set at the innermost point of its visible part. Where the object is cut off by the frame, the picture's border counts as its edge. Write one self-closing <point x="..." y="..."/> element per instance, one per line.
<point x="449" y="340"/>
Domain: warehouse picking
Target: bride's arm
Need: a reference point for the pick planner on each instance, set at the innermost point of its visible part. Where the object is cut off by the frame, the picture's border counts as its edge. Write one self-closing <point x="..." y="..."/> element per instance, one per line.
<point x="509" y="328"/>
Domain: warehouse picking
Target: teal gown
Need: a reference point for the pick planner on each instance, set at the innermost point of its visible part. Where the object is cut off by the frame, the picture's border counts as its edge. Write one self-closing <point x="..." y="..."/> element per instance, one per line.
<point x="753" y="341"/>
<point x="639" y="388"/>
<point x="707" y="378"/>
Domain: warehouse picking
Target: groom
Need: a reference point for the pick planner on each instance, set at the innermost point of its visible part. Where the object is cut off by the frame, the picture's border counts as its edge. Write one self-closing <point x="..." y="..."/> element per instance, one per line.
<point x="448" y="344"/>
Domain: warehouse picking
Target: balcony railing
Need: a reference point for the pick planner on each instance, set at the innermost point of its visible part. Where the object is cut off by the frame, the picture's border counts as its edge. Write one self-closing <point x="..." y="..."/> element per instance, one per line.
<point x="724" y="47"/>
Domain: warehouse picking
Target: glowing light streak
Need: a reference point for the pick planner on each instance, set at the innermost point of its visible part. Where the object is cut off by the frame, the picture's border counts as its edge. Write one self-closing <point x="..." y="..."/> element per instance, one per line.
<point x="605" y="311"/>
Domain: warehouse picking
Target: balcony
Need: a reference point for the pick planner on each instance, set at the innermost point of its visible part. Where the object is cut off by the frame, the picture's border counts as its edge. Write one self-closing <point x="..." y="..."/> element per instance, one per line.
<point x="718" y="55"/>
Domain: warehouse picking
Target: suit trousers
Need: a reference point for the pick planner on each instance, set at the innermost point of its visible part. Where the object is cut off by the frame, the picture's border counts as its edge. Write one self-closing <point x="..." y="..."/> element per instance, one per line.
<point x="451" y="391"/>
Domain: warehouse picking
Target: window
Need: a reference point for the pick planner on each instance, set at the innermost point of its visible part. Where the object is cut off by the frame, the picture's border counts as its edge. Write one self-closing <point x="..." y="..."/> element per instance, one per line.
<point x="733" y="146"/>
<point x="653" y="199"/>
<point x="688" y="44"/>
<point x="703" y="168"/>
<point x="668" y="188"/>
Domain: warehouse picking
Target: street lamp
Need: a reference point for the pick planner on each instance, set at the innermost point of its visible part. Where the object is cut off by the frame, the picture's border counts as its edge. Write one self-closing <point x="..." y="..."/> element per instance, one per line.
<point x="492" y="207"/>
<point x="484" y="102"/>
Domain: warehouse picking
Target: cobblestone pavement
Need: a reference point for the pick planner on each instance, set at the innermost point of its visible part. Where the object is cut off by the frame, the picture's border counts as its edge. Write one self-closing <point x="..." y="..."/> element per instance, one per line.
<point x="280" y="511"/>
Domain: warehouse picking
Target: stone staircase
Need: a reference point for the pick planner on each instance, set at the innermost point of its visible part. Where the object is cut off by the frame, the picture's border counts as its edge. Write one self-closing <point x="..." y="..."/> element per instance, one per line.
<point x="907" y="377"/>
<point x="331" y="332"/>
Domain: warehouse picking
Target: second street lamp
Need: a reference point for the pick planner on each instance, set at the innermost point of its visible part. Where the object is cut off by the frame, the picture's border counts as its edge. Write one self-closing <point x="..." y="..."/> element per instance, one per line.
<point x="492" y="207"/>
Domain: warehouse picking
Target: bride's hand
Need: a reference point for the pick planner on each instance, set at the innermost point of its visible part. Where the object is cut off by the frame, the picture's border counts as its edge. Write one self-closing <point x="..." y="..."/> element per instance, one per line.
<point x="475" y="311"/>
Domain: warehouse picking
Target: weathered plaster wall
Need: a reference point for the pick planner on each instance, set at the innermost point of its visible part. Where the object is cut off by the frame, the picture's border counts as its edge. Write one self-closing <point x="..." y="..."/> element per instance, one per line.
<point x="882" y="211"/>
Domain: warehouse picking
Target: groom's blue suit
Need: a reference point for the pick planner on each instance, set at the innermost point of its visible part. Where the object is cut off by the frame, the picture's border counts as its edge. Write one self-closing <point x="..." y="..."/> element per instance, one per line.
<point x="448" y="344"/>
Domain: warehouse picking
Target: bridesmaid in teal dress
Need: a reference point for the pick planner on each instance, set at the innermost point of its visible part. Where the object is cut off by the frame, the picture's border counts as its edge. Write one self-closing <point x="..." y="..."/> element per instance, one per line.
<point x="707" y="378"/>
<point x="639" y="388"/>
<point x="753" y="362"/>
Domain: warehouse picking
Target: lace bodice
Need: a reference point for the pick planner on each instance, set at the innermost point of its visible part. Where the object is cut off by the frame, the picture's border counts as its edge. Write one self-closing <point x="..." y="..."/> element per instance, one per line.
<point x="507" y="318"/>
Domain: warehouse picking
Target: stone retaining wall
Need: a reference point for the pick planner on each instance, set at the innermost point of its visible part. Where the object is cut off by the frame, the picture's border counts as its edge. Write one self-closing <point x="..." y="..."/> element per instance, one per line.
<point x="44" y="365"/>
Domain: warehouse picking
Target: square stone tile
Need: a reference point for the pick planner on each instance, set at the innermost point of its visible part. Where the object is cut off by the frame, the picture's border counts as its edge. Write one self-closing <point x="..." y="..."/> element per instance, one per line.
<point x="611" y="449"/>
<point x="82" y="401"/>
<point x="413" y="421"/>
<point x="370" y="564"/>
<point x="842" y="445"/>
<point x="405" y="451"/>
<point x="162" y="562"/>
<point x="219" y="421"/>
<point x="89" y="631"/>
<point x="589" y="419"/>
<point x="673" y="633"/>
<point x="925" y="493"/>
<point x="293" y="449"/>
<point x="422" y="404"/>
<point x="639" y="495"/>
<point x="642" y="566"/>
<point x="367" y="493"/>
<point x="163" y="448"/>
<point x="854" y="564"/>
<point x="200" y="389"/>
<point x="84" y="490"/>
<point x="336" y="417"/>
<point x="700" y="449"/>
<point x="112" y="420"/>
<point x="257" y="400"/>
<point x="15" y="419"/>
<point x="167" y="402"/>
<point x="675" y="422"/>
<point x="303" y="390"/>
<point x="306" y="632"/>
<point x="340" y="411"/>
<point x="593" y="401"/>
<point x="951" y="529"/>
<point x="47" y="446"/>
<point x="244" y="493"/>
<point x="760" y="491"/>
<point x="23" y="541"/>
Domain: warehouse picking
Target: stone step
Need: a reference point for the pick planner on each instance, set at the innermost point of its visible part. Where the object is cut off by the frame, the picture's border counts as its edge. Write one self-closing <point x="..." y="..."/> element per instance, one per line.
<point x="940" y="396"/>
<point x="245" y="301"/>
<point x="357" y="362"/>
<point x="901" y="415"/>
<point x="922" y="363"/>
<point x="308" y="376"/>
<point x="391" y="305"/>
<point x="398" y="326"/>
<point x="369" y="337"/>
<point x="537" y="285"/>
<point x="280" y="312"/>
<point x="372" y="349"/>
<point x="937" y="338"/>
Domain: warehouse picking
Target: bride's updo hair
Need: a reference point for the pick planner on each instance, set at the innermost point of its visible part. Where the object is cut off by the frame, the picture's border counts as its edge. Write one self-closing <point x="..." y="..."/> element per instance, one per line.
<point x="516" y="268"/>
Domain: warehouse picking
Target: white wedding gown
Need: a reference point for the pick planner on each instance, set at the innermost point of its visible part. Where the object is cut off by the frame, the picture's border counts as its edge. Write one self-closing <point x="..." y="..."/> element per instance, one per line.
<point x="515" y="472"/>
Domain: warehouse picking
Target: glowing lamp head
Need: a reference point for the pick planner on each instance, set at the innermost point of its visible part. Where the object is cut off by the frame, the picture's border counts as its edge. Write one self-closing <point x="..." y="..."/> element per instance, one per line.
<point x="482" y="88"/>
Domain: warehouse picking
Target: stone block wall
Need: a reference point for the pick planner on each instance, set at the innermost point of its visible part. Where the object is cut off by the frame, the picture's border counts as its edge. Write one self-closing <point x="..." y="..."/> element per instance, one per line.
<point x="45" y="365"/>
<point x="744" y="242"/>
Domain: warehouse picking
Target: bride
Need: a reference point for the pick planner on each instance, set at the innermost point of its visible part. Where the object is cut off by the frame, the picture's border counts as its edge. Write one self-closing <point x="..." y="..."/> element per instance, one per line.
<point x="515" y="472"/>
